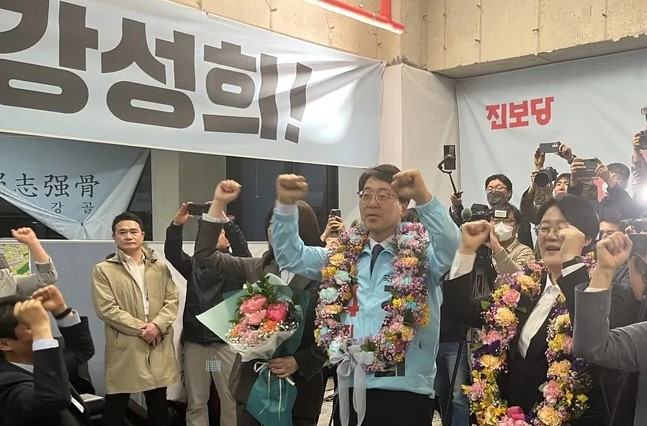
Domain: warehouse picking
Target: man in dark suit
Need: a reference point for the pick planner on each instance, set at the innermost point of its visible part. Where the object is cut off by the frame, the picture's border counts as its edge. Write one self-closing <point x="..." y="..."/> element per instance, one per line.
<point x="34" y="383"/>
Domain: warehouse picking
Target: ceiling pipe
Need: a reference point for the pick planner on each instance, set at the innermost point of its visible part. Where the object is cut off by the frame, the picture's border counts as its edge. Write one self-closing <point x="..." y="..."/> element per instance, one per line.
<point x="383" y="19"/>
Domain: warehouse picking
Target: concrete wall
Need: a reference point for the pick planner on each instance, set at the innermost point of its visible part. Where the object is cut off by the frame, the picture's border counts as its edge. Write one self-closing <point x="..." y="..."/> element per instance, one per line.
<point x="471" y="37"/>
<point x="302" y="20"/>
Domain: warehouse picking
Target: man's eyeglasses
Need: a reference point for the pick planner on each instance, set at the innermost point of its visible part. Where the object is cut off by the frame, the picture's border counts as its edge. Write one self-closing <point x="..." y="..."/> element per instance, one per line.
<point x="543" y="230"/>
<point x="380" y="196"/>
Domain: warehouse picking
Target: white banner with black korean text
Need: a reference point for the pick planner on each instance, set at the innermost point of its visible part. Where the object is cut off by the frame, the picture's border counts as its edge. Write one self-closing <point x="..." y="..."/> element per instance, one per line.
<point x="155" y="74"/>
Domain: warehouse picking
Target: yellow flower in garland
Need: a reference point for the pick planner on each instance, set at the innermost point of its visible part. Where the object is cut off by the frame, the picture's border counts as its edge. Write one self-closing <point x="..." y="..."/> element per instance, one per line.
<point x="581" y="398"/>
<point x="337" y="259"/>
<point x="397" y="303"/>
<point x="333" y="309"/>
<point x="526" y="282"/>
<point x="549" y="416"/>
<point x="491" y="415"/>
<point x="328" y="272"/>
<point x="563" y="320"/>
<point x="317" y="334"/>
<point x="407" y="333"/>
<point x="499" y="292"/>
<point x="492" y="362"/>
<point x="560" y="369"/>
<point x="557" y="343"/>
<point x="505" y="317"/>
<point x="409" y="262"/>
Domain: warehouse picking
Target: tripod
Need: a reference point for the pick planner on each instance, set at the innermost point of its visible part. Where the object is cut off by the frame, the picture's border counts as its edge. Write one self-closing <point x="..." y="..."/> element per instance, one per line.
<point x="482" y="285"/>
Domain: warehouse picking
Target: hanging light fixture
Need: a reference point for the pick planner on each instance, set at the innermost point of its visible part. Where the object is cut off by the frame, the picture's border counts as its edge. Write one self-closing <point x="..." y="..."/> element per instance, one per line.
<point x="382" y="19"/>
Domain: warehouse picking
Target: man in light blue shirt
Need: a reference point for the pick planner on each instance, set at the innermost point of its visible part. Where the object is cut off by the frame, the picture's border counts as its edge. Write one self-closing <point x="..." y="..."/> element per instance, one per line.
<point x="402" y="393"/>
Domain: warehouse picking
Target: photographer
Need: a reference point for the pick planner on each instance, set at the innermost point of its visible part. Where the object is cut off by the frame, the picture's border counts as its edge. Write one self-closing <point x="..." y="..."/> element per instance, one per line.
<point x="330" y="236"/>
<point x="617" y="201"/>
<point x="508" y="254"/>
<point x="638" y="163"/>
<point x="542" y="189"/>
<point x="498" y="190"/>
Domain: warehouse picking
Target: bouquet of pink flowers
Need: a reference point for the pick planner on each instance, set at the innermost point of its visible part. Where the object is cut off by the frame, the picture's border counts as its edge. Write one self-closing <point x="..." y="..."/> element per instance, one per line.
<point x="266" y="317"/>
<point x="257" y="320"/>
<point x="265" y="320"/>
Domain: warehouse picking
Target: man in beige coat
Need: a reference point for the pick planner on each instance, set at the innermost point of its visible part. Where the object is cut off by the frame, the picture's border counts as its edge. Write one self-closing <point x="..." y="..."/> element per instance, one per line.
<point x="136" y="298"/>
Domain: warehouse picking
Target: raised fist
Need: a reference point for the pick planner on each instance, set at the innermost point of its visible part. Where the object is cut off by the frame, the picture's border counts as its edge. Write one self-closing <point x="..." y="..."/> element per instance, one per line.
<point x="473" y="235"/>
<point x="32" y="313"/>
<point x="291" y="188"/>
<point x="573" y="240"/>
<point x="227" y="191"/>
<point x="410" y="185"/>
<point x="613" y="252"/>
<point x="24" y="235"/>
<point x="51" y="299"/>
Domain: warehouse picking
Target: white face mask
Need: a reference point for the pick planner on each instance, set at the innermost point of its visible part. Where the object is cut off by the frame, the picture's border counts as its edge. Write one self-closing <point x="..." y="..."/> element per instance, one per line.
<point x="503" y="232"/>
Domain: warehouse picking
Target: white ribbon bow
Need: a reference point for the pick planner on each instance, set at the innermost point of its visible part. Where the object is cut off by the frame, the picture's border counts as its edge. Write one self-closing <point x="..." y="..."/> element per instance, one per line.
<point x="352" y="361"/>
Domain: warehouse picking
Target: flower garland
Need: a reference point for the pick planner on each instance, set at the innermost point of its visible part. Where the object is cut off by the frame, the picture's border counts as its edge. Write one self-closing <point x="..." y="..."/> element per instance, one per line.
<point x="405" y="311"/>
<point x="567" y="380"/>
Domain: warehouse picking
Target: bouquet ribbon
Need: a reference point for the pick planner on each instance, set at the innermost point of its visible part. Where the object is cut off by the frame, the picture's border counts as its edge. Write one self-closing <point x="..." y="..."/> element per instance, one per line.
<point x="351" y="362"/>
<point x="265" y="404"/>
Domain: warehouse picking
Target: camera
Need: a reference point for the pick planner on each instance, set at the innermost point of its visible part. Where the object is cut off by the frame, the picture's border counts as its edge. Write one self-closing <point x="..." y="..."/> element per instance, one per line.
<point x="637" y="232"/>
<point x="643" y="133"/>
<point x="545" y="177"/>
<point x="480" y="212"/>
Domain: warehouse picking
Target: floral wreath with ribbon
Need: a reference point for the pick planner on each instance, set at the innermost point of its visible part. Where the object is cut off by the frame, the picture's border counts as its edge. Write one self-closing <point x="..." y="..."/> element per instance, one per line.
<point x="406" y="310"/>
<point x="564" y="392"/>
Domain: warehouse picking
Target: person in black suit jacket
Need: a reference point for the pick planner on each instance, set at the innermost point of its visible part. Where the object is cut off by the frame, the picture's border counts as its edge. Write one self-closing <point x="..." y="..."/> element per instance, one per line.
<point x="34" y="383"/>
<point x="567" y="226"/>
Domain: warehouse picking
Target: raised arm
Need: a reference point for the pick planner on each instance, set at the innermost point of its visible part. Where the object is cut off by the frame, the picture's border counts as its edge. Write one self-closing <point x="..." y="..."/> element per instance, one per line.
<point x="206" y="246"/>
<point x="237" y="241"/>
<point x="26" y="401"/>
<point x="173" y="243"/>
<point x="290" y="251"/>
<point x="457" y="290"/>
<point x="45" y="270"/>
<point x="622" y="348"/>
<point x="443" y="235"/>
<point x="78" y="344"/>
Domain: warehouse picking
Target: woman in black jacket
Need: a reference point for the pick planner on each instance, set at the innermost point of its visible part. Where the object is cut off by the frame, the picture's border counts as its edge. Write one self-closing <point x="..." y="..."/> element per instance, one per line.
<point x="306" y="363"/>
<point x="567" y="226"/>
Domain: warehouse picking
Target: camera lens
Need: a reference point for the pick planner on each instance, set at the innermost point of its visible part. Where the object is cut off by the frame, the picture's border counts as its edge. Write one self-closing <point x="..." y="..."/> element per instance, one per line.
<point x="542" y="179"/>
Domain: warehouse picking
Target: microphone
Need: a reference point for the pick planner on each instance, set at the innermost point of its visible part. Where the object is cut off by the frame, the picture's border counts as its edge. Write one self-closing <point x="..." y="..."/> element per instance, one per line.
<point x="466" y="215"/>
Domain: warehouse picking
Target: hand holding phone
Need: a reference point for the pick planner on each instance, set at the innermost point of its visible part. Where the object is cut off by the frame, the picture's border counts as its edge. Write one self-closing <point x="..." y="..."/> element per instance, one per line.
<point x="549" y="147"/>
<point x="333" y="218"/>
